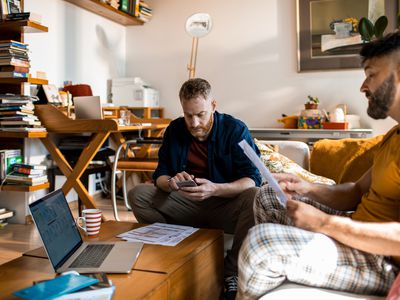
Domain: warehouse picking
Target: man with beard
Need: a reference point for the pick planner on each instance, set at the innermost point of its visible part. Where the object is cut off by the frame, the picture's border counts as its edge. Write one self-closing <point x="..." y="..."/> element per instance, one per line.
<point x="202" y="146"/>
<point x="344" y="237"/>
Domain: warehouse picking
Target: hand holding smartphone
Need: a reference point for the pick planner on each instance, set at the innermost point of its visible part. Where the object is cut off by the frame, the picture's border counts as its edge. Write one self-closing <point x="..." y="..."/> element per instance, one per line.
<point x="186" y="183"/>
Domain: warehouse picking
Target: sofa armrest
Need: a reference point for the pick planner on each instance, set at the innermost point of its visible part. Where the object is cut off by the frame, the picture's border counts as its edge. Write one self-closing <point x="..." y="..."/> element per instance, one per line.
<point x="297" y="151"/>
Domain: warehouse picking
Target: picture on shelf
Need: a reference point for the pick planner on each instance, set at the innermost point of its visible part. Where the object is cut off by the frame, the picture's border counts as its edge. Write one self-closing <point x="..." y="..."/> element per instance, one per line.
<point x="14" y="6"/>
<point x="48" y="93"/>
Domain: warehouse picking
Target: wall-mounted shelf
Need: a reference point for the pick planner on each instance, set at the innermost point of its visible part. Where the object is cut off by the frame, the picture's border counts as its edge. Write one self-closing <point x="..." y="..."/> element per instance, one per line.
<point x="25" y="188"/>
<point x="21" y="80"/>
<point x="107" y="11"/>
<point x="18" y="135"/>
<point x="23" y="26"/>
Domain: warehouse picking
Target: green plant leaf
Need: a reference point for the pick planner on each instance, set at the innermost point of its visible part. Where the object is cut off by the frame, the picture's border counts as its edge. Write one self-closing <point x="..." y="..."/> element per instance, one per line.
<point x="380" y="26"/>
<point x="366" y="29"/>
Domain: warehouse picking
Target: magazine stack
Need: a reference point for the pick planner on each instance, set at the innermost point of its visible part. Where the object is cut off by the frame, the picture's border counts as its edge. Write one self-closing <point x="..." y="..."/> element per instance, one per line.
<point x="17" y="114"/>
<point x="26" y="174"/>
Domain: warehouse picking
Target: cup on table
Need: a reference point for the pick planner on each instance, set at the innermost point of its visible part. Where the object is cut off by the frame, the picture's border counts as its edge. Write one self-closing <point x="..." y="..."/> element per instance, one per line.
<point x="90" y="221"/>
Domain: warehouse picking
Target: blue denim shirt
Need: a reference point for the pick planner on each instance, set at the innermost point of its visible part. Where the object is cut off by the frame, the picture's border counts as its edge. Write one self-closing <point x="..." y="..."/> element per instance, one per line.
<point x="226" y="160"/>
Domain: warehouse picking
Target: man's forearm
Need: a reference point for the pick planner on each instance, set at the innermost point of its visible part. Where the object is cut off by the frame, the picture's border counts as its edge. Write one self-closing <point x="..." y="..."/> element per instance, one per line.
<point x="163" y="184"/>
<point x="376" y="238"/>
<point x="232" y="189"/>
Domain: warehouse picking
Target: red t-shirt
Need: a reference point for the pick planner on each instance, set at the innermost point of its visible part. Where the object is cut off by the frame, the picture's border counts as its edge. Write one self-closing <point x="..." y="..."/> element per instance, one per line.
<point x="197" y="163"/>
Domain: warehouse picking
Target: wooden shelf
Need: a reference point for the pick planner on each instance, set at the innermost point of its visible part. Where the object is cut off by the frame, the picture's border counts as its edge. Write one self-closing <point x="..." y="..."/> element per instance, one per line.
<point x="21" y="80"/>
<point x="107" y="11"/>
<point x="24" y="188"/>
<point x="23" y="26"/>
<point x="31" y="135"/>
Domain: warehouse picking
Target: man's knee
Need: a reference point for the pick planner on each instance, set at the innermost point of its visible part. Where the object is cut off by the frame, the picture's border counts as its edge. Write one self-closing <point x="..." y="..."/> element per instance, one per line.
<point x="139" y="196"/>
<point x="248" y="196"/>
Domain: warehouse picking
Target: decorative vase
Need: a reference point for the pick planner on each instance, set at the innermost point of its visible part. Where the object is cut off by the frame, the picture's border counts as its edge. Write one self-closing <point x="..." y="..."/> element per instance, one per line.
<point x="311" y="106"/>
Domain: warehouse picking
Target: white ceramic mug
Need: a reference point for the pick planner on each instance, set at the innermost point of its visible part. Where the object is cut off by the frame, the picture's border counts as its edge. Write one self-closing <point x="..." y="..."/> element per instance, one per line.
<point x="91" y="219"/>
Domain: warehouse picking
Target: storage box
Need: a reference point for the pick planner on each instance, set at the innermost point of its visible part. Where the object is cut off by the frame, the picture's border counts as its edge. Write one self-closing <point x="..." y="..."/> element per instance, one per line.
<point x="335" y="125"/>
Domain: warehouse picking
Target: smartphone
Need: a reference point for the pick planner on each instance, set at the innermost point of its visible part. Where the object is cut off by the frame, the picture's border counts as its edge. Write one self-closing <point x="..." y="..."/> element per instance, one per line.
<point x="186" y="183"/>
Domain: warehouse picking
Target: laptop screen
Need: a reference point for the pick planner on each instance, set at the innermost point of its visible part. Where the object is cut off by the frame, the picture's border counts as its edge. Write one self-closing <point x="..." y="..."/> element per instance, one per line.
<point x="56" y="226"/>
<point x="88" y="107"/>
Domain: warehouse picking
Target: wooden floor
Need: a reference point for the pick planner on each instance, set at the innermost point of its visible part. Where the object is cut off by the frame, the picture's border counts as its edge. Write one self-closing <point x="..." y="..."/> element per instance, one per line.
<point x="15" y="239"/>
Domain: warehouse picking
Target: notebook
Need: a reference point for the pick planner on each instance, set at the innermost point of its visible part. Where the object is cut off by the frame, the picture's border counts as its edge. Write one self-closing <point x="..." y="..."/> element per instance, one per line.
<point x="88" y="107"/>
<point x="64" y="245"/>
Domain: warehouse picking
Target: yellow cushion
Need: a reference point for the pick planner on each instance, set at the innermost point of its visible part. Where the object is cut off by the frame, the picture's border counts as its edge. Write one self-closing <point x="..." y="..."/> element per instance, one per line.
<point x="278" y="163"/>
<point x="344" y="160"/>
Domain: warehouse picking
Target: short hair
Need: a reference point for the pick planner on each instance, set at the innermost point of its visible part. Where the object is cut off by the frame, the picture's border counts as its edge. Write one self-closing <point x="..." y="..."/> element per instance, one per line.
<point x="381" y="47"/>
<point x="193" y="88"/>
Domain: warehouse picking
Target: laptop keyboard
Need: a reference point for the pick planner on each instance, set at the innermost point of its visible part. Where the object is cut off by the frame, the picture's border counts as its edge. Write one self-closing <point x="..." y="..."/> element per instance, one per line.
<point x="92" y="257"/>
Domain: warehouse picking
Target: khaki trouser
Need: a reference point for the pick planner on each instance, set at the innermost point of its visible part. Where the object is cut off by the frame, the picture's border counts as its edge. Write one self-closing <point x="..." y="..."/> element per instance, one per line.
<point x="233" y="215"/>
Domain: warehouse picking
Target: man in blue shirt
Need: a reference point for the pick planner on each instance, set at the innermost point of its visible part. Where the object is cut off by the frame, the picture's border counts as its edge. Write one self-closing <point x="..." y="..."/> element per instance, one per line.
<point x="202" y="146"/>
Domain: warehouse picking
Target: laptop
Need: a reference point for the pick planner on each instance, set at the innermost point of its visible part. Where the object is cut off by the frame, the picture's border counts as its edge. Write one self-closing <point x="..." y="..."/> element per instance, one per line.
<point x="88" y="107"/>
<point x="65" y="247"/>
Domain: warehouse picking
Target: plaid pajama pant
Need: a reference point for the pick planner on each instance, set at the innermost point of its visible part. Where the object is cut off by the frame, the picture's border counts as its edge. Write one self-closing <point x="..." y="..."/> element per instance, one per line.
<point x="274" y="251"/>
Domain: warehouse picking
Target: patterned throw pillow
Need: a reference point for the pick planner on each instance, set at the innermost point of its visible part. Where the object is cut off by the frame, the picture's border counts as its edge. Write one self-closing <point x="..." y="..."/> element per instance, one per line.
<point x="278" y="163"/>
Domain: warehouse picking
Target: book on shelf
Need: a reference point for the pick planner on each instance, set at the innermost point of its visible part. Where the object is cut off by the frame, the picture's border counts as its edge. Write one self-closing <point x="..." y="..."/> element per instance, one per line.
<point x="23" y="129"/>
<point x="8" y="157"/>
<point x="29" y="169"/>
<point x="16" y="113"/>
<point x="10" y="98"/>
<point x="124" y="5"/>
<point x="18" y="118"/>
<point x="3" y="9"/>
<point x="37" y="18"/>
<point x="13" y="75"/>
<point x="23" y="123"/>
<point x="31" y="166"/>
<point x="19" y="179"/>
<point x="15" y="62"/>
<point x="14" y="69"/>
<point x="6" y="214"/>
<point x="13" y="43"/>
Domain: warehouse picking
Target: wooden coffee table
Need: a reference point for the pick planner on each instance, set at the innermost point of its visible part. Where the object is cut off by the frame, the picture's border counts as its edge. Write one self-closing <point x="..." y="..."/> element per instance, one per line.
<point x="191" y="270"/>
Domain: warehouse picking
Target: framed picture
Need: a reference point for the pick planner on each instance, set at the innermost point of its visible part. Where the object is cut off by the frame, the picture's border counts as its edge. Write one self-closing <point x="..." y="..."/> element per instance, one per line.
<point x="325" y="41"/>
<point x="14" y="6"/>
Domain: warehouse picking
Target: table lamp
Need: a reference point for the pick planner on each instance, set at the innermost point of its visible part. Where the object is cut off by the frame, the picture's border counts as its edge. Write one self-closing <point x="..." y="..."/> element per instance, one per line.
<point x="197" y="26"/>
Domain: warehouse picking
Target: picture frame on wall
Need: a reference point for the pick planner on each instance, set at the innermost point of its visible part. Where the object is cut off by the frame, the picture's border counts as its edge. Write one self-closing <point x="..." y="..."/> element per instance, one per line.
<point x="325" y="42"/>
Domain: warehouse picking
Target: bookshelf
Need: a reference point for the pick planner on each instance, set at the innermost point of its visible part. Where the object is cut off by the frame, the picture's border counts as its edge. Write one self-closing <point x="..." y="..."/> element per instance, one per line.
<point x="25" y="188"/>
<point x="16" y="197"/>
<point x="107" y="11"/>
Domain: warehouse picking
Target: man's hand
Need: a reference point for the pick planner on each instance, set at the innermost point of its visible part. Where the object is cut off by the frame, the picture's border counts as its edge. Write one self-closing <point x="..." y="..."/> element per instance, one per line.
<point x="182" y="176"/>
<point x="306" y="216"/>
<point x="204" y="190"/>
<point x="292" y="185"/>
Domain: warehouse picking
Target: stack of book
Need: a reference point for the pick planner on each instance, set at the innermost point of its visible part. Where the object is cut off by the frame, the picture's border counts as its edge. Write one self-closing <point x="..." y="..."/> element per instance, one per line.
<point x="136" y="8"/>
<point x="27" y="174"/>
<point x="17" y="114"/>
<point x="145" y="12"/>
<point x="14" y="60"/>
<point x="113" y="3"/>
<point x="4" y="215"/>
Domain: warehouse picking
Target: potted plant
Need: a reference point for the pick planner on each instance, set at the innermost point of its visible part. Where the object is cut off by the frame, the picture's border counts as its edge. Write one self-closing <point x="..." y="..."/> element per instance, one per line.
<point x="312" y="102"/>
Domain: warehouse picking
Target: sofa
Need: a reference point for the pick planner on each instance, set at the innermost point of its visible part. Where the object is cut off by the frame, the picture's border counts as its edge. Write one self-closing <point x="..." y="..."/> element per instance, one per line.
<point x="340" y="160"/>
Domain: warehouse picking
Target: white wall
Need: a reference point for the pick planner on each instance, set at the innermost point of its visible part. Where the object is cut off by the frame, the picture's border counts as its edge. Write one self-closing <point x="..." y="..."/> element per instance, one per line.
<point x="249" y="58"/>
<point x="80" y="46"/>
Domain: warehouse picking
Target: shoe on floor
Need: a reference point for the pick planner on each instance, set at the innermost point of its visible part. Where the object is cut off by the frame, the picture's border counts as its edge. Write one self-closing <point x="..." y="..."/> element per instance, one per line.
<point x="230" y="284"/>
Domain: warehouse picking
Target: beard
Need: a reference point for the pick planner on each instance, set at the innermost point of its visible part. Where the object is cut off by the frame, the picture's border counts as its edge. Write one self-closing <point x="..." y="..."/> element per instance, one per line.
<point x="202" y="132"/>
<point x="381" y="100"/>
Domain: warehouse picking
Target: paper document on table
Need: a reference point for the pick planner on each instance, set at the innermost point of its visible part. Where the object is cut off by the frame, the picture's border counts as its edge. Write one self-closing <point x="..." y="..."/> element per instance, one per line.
<point x="265" y="173"/>
<point x="159" y="234"/>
